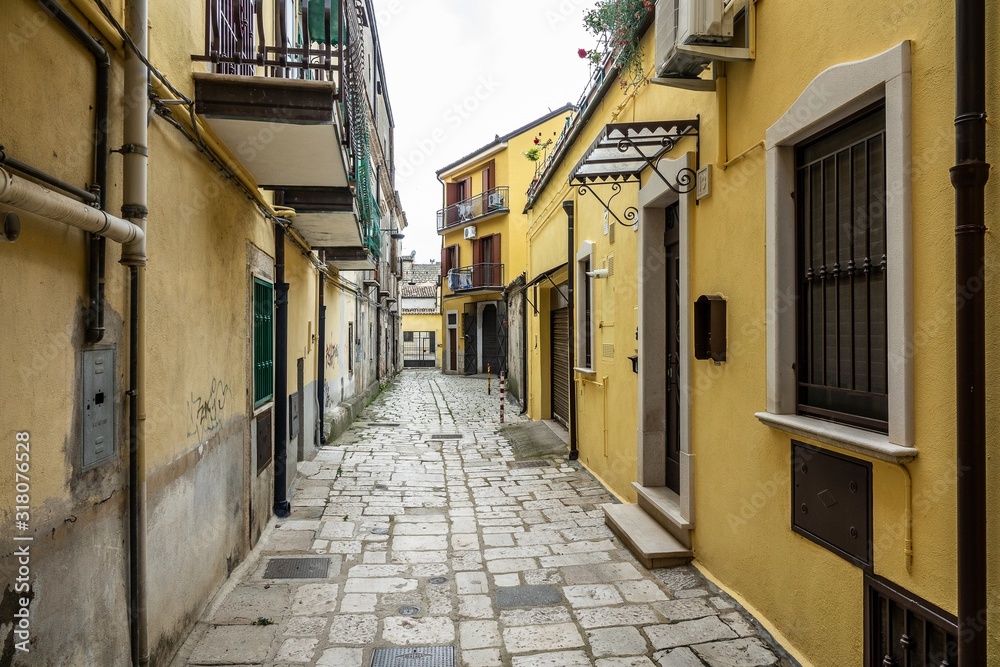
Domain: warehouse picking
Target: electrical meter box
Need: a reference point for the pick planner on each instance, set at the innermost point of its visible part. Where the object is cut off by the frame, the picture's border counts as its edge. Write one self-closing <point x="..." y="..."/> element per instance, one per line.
<point x="98" y="407"/>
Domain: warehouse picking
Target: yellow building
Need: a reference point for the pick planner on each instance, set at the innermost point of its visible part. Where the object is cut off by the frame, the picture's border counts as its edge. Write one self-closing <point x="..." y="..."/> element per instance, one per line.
<point x="421" y="308"/>
<point x="482" y="231"/>
<point x="196" y="289"/>
<point x="789" y="314"/>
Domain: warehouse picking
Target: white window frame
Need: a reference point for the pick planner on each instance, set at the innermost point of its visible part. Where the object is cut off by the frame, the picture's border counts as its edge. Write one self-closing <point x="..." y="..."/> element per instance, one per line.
<point x="834" y="95"/>
<point x="584" y="256"/>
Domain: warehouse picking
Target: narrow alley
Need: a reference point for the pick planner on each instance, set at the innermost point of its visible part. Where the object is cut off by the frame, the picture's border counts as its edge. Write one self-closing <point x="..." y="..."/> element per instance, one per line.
<point x="418" y="539"/>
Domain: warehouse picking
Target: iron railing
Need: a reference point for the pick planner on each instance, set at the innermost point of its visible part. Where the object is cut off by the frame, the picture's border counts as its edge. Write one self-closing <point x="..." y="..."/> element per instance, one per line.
<point x="476" y="277"/>
<point x="308" y="39"/>
<point x="491" y="201"/>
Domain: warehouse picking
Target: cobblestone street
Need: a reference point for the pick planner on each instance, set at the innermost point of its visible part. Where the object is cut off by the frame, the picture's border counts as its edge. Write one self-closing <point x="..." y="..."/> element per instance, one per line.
<point x="435" y="537"/>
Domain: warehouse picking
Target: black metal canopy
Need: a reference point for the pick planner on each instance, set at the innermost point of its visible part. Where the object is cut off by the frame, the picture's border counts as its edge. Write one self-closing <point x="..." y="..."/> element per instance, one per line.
<point x="623" y="150"/>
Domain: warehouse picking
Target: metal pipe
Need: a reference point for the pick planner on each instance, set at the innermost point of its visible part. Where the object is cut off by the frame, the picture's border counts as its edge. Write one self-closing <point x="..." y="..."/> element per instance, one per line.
<point x="134" y="208"/>
<point x="98" y="245"/>
<point x="321" y="371"/>
<point x="282" y="508"/>
<point x="47" y="179"/>
<point x="29" y="196"/>
<point x="969" y="177"/>
<point x="568" y="206"/>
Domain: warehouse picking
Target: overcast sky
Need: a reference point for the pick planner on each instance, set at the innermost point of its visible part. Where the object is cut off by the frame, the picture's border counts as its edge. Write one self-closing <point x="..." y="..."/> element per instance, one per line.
<point x="460" y="72"/>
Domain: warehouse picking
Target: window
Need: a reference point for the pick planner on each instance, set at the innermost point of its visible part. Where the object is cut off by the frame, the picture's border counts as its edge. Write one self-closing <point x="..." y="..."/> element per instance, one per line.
<point x="350" y="347"/>
<point x="449" y="259"/>
<point x="585" y="307"/>
<point x="407" y="336"/>
<point x="837" y="99"/>
<point x="263" y="342"/>
<point x="840" y="199"/>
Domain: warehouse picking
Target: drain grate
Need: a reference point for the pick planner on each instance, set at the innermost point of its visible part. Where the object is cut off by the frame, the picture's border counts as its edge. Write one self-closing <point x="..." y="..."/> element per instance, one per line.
<point x="445" y="436"/>
<point x="383" y="424"/>
<point x="414" y="656"/>
<point x="297" y="568"/>
<point x="530" y="464"/>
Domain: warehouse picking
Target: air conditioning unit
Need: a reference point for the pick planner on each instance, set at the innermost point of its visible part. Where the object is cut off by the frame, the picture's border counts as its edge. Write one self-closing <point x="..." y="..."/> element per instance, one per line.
<point x="470" y="233"/>
<point x="681" y="23"/>
<point x="496" y="201"/>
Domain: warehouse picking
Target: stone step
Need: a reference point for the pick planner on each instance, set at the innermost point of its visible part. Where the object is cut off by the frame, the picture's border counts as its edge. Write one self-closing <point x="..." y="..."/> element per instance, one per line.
<point x="664" y="506"/>
<point x="648" y="541"/>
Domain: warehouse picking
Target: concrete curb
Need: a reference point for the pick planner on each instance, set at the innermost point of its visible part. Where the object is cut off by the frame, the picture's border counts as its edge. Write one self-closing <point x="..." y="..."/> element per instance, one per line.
<point x="338" y="420"/>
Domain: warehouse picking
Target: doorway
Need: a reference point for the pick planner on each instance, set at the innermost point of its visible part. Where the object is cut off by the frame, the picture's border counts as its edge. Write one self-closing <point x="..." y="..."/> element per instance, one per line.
<point x="560" y="366"/>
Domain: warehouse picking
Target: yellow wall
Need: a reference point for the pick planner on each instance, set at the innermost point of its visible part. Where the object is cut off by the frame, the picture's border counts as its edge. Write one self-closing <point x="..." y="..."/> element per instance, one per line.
<point x="427" y="323"/>
<point x="812" y="598"/>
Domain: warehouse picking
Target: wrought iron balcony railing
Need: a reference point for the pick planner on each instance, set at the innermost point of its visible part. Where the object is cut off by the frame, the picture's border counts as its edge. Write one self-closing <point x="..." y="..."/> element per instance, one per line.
<point x="492" y="201"/>
<point x="476" y="277"/>
<point x="308" y="39"/>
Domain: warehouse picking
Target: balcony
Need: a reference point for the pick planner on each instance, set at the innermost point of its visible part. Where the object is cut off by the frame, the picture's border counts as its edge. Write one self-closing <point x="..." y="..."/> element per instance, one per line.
<point x="476" y="278"/>
<point x="286" y="101"/>
<point x="490" y="203"/>
<point x="351" y="259"/>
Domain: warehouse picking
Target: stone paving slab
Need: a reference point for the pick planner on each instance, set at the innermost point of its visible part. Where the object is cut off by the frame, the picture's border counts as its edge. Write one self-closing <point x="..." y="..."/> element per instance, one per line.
<point x="442" y="542"/>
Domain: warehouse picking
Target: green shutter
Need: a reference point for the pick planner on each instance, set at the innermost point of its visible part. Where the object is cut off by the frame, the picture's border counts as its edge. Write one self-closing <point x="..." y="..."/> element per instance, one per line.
<point x="263" y="342"/>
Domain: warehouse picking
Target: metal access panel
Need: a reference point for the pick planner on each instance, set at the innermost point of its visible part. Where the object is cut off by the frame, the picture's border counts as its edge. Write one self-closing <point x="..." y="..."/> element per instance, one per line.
<point x="293" y="415"/>
<point x="414" y="656"/>
<point x="297" y="568"/>
<point x="98" y="407"/>
<point x="832" y="502"/>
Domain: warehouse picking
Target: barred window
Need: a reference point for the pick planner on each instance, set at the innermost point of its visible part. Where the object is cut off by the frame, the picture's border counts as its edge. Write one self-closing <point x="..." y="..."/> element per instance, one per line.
<point x="841" y="203"/>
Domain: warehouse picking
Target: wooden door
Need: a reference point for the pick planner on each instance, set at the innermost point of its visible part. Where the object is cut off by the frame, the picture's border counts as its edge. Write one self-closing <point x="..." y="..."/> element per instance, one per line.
<point x="671" y="239"/>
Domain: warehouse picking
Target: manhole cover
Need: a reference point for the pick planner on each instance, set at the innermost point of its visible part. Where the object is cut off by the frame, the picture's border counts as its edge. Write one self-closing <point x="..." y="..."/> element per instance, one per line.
<point x="438" y="580"/>
<point x="297" y="568"/>
<point x="530" y="464"/>
<point x="409" y="611"/>
<point x="414" y="656"/>
<point x="379" y="531"/>
<point x="527" y="596"/>
<point x="445" y="436"/>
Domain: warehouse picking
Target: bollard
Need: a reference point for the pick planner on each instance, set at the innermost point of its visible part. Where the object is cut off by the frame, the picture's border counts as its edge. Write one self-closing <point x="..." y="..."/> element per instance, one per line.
<point x="489" y="378"/>
<point x="503" y="387"/>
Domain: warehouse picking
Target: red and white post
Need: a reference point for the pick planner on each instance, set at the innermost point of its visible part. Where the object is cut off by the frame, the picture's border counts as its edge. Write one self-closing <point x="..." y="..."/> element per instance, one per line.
<point x="503" y="388"/>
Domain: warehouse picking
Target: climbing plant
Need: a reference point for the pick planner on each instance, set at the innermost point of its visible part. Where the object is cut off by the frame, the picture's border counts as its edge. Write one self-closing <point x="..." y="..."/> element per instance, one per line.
<point x="615" y="24"/>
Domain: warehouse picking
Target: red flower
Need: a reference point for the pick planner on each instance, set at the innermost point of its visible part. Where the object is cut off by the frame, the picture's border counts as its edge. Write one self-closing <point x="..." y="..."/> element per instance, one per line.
<point x="582" y="53"/>
<point x="537" y="141"/>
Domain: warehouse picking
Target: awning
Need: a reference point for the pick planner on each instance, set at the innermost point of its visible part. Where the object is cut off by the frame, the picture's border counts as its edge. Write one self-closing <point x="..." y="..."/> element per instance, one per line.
<point x="623" y="150"/>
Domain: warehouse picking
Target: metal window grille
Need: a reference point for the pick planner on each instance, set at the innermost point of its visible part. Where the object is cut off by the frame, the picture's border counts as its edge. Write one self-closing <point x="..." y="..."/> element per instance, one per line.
<point x="350" y="347"/>
<point x="263" y="342"/>
<point x="841" y="200"/>
<point x="902" y="629"/>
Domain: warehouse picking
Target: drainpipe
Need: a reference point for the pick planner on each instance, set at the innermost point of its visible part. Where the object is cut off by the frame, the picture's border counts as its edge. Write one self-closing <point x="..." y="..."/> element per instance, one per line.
<point x="524" y="349"/>
<point x="98" y="245"/>
<point x="574" y="452"/>
<point x="134" y="209"/>
<point x="969" y="177"/>
<point x="282" y="508"/>
<point x="321" y="371"/>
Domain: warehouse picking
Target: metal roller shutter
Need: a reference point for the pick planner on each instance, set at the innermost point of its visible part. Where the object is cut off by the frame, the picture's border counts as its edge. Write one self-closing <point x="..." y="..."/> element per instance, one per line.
<point x="560" y="365"/>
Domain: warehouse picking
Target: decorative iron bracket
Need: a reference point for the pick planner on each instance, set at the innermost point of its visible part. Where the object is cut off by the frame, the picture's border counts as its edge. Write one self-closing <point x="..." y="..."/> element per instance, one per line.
<point x="631" y="213"/>
<point x="687" y="178"/>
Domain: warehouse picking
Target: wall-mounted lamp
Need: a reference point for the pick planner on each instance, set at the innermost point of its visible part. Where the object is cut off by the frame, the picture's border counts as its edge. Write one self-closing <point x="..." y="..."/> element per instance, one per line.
<point x="394" y="233"/>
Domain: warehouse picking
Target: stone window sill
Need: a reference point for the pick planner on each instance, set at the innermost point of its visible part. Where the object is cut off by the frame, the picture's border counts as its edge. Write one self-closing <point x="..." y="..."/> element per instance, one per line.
<point x="859" y="441"/>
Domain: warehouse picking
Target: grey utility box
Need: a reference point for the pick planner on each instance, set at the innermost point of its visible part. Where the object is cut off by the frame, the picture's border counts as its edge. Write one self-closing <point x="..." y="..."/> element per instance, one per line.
<point x="98" y="406"/>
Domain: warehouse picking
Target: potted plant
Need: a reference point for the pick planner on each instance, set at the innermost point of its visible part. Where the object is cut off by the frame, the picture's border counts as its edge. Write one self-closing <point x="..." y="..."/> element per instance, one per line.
<point x="615" y="24"/>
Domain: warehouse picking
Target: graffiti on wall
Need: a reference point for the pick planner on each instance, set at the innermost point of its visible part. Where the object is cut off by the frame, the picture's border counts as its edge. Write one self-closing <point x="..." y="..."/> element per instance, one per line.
<point x="205" y="413"/>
